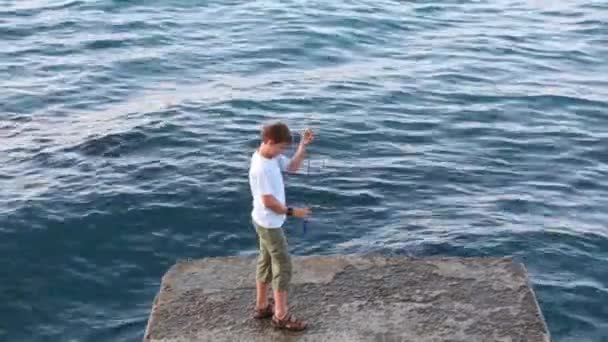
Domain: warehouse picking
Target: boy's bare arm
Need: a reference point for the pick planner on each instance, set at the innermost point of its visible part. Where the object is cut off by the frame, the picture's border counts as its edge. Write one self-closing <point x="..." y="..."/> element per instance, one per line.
<point x="296" y="160"/>
<point x="273" y="204"/>
<point x="298" y="157"/>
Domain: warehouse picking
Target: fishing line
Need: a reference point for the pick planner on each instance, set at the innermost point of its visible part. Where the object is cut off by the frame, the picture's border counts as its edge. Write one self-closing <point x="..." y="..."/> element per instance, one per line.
<point x="305" y="221"/>
<point x="307" y="177"/>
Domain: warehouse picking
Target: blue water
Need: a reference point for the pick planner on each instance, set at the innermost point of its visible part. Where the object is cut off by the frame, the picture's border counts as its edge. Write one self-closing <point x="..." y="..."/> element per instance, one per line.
<point x="445" y="128"/>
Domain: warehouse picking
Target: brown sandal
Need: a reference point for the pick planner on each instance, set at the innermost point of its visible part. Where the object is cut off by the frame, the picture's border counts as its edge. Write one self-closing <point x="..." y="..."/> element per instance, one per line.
<point x="264" y="313"/>
<point x="290" y="322"/>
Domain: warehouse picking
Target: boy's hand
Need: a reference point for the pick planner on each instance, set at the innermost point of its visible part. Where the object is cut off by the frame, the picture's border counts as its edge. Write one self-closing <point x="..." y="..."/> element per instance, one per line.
<point x="307" y="137"/>
<point x="302" y="212"/>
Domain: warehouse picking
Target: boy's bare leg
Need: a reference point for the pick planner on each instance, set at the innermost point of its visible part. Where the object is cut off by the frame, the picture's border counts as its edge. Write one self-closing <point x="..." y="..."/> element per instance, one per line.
<point x="280" y="304"/>
<point x="262" y="295"/>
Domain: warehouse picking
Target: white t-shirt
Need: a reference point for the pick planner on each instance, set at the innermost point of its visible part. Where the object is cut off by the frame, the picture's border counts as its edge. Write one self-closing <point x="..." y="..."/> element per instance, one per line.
<point x="266" y="178"/>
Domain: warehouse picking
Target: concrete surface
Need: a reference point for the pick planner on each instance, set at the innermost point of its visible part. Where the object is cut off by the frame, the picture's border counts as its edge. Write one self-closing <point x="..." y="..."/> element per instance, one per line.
<point x="353" y="299"/>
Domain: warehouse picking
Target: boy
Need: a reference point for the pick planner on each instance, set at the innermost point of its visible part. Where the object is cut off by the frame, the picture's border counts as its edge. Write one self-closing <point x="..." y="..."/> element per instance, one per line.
<point x="268" y="215"/>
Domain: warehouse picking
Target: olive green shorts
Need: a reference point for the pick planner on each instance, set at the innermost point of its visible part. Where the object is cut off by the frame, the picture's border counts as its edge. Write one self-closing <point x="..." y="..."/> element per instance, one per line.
<point x="274" y="262"/>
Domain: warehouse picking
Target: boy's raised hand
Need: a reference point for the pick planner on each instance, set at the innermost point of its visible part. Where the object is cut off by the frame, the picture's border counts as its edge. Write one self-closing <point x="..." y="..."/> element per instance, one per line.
<point x="307" y="137"/>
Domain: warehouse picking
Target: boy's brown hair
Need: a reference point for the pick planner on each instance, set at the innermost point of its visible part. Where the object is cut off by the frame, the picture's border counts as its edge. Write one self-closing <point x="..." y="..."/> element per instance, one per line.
<point x="278" y="132"/>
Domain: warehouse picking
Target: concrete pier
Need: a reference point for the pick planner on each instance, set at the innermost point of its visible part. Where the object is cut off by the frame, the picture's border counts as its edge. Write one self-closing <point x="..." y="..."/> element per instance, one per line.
<point x="350" y="298"/>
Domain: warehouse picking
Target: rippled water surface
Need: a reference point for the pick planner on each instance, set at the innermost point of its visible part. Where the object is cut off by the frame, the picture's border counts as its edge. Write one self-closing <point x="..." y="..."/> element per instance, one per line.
<point x="445" y="128"/>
